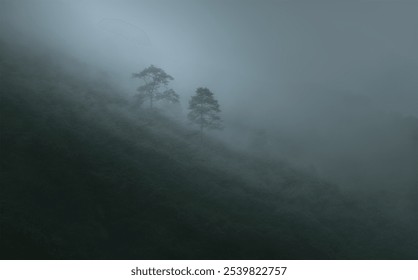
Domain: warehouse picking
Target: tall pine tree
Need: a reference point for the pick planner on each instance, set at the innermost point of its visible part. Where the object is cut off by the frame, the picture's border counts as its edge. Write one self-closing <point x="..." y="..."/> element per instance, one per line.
<point x="155" y="81"/>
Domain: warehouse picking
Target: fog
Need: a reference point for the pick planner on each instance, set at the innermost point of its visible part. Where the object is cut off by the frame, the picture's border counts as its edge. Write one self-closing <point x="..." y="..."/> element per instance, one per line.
<point x="319" y="109"/>
<point x="329" y="86"/>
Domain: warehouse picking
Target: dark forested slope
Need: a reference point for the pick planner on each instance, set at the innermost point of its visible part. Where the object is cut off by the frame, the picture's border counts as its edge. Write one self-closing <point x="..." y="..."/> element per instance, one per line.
<point x="85" y="176"/>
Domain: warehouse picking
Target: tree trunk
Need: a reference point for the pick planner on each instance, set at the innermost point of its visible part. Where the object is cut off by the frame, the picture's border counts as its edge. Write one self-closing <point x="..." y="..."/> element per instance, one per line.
<point x="201" y="127"/>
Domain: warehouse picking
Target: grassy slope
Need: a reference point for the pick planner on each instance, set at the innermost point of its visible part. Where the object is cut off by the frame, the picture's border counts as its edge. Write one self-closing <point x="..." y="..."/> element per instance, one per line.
<point x="84" y="177"/>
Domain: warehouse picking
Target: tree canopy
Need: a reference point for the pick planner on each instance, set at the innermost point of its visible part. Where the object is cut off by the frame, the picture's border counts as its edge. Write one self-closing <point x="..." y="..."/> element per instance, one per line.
<point x="204" y="110"/>
<point x="155" y="86"/>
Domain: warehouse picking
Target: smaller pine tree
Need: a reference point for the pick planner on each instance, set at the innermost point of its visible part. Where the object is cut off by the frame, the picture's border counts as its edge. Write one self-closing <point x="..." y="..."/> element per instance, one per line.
<point x="204" y="110"/>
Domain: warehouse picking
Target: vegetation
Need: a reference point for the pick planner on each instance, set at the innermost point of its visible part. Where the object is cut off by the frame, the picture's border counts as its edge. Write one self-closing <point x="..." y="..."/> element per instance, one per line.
<point x="204" y="110"/>
<point x="154" y="88"/>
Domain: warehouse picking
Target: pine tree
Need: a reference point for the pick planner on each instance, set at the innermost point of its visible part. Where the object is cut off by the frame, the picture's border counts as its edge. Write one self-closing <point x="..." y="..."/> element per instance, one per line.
<point x="204" y="110"/>
<point x="154" y="88"/>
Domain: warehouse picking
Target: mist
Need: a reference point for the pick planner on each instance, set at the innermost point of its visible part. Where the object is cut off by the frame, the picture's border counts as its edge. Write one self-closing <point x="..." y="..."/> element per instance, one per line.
<point x="327" y="87"/>
<point x="253" y="53"/>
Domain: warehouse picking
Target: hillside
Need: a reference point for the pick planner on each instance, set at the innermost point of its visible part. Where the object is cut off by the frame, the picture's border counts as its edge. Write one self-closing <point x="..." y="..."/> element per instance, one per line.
<point x="86" y="176"/>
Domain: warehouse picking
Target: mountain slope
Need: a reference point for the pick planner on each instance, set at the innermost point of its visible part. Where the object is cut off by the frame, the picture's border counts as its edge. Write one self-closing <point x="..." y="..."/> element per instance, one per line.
<point x="84" y="176"/>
